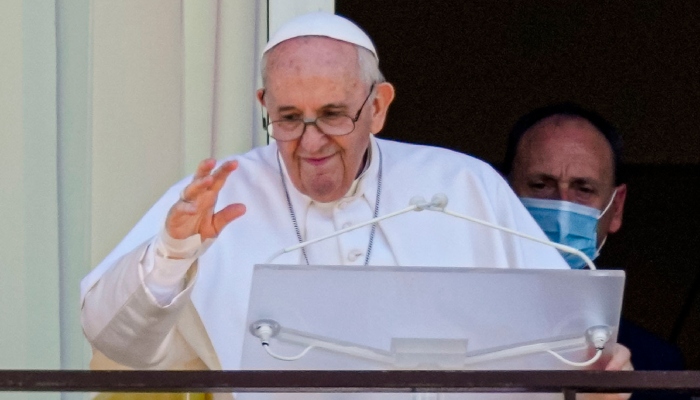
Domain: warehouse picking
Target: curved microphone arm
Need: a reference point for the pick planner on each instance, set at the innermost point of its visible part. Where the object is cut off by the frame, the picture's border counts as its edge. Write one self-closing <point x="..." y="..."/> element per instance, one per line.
<point x="416" y="204"/>
<point x="437" y="203"/>
<point x="441" y="199"/>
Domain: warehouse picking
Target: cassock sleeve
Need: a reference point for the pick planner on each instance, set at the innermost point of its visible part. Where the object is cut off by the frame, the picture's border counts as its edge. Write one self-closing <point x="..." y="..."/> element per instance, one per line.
<point x="123" y="320"/>
<point x="120" y="316"/>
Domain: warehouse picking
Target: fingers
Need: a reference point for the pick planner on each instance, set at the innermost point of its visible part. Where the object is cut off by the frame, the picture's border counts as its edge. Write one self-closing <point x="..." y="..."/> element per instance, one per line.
<point x="204" y="180"/>
<point x="194" y="211"/>
<point x="226" y="215"/>
<point x="222" y="173"/>
<point x="621" y="359"/>
<point x="204" y="168"/>
<point x="603" y="396"/>
<point x="200" y="181"/>
<point x="198" y="186"/>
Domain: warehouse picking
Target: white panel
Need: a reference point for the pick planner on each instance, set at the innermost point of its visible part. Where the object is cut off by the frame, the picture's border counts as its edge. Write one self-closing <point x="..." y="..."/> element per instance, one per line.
<point x="12" y="229"/>
<point x="137" y="135"/>
<point x="28" y="234"/>
<point x="283" y="10"/>
<point x="260" y="138"/>
<point x="40" y="187"/>
<point x="200" y="31"/>
<point x="74" y="172"/>
<point x="235" y="81"/>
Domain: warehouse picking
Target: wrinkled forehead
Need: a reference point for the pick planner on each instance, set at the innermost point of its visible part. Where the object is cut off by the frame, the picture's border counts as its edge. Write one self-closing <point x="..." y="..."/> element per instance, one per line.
<point x="566" y="138"/>
<point x="311" y="57"/>
<point x="562" y="130"/>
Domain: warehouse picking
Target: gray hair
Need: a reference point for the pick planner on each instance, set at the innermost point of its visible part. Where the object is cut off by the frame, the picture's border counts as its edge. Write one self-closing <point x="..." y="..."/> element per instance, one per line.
<point x="368" y="66"/>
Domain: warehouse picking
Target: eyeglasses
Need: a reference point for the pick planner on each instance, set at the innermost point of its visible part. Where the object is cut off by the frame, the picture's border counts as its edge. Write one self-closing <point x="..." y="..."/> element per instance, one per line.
<point x="333" y="124"/>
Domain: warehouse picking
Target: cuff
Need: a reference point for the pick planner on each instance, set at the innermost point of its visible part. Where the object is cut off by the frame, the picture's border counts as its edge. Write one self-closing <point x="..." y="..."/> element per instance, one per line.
<point x="165" y="266"/>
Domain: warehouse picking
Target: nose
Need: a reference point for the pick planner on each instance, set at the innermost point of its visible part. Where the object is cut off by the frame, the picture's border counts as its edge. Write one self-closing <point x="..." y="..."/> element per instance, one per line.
<point x="312" y="139"/>
<point x="562" y="192"/>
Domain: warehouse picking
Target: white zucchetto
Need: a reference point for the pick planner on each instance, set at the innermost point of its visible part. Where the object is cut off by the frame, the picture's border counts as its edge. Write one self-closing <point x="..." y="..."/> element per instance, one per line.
<point x="322" y="23"/>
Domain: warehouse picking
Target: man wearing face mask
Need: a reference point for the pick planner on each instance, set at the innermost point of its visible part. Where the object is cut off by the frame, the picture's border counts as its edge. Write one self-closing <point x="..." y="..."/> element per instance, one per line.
<point x="563" y="162"/>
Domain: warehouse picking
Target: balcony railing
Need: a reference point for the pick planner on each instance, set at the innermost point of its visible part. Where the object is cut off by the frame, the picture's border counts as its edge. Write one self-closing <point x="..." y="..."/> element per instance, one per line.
<point x="566" y="382"/>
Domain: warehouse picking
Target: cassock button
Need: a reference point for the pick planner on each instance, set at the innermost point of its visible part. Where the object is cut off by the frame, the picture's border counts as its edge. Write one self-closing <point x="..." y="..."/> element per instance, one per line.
<point x="354" y="255"/>
<point x="342" y="205"/>
<point x="346" y="225"/>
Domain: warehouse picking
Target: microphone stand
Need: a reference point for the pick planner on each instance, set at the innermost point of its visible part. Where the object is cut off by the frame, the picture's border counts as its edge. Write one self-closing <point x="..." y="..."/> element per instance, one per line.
<point x="437" y="203"/>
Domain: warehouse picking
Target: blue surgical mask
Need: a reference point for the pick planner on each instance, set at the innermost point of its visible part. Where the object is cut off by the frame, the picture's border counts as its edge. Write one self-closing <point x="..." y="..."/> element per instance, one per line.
<point x="570" y="224"/>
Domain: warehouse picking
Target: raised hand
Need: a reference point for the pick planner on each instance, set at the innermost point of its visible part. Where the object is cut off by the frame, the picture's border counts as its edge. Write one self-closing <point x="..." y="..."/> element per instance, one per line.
<point x="194" y="211"/>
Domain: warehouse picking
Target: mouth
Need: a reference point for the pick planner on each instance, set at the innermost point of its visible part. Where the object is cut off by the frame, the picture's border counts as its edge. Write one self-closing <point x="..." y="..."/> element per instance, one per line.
<point x="317" y="161"/>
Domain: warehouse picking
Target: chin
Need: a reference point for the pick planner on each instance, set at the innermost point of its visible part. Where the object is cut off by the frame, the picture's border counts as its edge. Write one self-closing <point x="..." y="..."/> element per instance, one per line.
<point x="324" y="197"/>
<point x="325" y="192"/>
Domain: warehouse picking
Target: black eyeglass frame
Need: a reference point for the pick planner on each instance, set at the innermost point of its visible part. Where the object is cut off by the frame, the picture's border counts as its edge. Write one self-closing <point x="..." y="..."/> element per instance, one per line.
<point x="266" y="120"/>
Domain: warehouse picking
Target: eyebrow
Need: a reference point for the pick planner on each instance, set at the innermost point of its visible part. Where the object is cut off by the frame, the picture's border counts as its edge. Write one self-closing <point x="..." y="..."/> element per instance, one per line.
<point x="576" y="179"/>
<point x="323" y="107"/>
<point x="335" y="105"/>
<point x="588" y="181"/>
<point x="539" y="175"/>
<point x="286" y="108"/>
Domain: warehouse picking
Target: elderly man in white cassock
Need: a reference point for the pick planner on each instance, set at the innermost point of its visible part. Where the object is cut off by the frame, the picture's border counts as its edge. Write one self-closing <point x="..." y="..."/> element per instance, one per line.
<point x="174" y="292"/>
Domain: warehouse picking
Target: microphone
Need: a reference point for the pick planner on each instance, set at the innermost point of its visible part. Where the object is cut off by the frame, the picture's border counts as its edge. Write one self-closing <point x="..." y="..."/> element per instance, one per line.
<point x="439" y="201"/>
<point x="438" y="204"/>
<point x="416" y="203"/>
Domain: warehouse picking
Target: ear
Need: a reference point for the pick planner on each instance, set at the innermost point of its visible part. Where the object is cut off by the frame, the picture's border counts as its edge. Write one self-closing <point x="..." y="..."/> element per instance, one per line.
<point x="260" y="94"/>
<point x="617" y="209"/>
<point x="380" y="105"/>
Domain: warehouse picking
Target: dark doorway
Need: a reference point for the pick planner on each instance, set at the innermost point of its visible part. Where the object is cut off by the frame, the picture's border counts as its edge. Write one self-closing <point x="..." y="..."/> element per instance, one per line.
<point x="465" y="71"/>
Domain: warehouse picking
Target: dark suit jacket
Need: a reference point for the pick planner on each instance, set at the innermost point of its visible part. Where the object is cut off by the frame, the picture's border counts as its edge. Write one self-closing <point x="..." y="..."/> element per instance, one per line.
<point x="650" y="353"/>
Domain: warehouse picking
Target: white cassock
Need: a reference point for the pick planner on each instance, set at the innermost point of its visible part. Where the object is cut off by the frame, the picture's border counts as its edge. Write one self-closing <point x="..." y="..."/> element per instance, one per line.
<point x="122" y="318"/>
